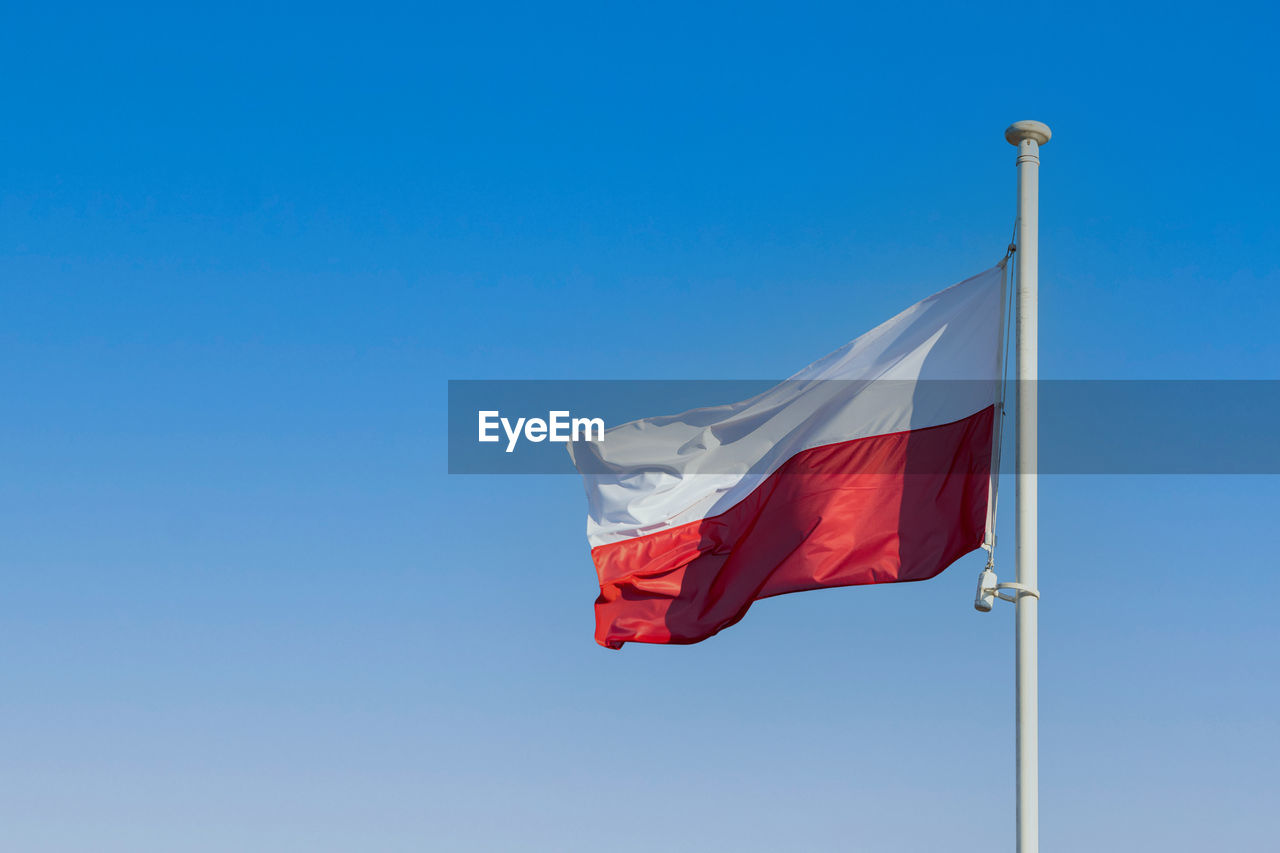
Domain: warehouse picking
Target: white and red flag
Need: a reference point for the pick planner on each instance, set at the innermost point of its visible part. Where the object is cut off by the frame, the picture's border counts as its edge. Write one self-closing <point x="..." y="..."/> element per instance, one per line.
<point x="871" y="465"/>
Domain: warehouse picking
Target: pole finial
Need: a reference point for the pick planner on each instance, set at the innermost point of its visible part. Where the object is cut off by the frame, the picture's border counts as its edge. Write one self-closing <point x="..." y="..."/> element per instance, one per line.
<point x="1020" y="130"/>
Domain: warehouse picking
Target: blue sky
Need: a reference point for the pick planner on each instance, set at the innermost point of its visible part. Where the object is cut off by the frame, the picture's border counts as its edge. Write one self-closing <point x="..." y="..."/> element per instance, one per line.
<point x="244" y="247"/>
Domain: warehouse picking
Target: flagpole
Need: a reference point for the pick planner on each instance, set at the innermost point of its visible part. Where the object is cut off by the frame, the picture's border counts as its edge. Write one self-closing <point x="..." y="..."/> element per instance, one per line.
<point x="1028" y="136"/>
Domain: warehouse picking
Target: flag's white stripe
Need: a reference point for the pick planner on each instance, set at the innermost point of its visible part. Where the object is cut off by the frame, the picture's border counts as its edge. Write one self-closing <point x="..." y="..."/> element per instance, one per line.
<point x="935" y="363"/>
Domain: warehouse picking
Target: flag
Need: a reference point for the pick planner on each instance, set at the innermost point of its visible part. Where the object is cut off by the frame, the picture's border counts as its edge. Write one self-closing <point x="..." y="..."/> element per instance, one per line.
<point x="871" y="465"/>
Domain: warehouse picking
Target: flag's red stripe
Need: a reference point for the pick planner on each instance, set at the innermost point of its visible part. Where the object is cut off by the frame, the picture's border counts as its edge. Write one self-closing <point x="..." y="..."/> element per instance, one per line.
<point x="828" y="517"/>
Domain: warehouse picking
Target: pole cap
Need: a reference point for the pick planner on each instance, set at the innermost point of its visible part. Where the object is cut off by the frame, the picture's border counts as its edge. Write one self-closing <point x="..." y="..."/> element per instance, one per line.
<point x="1020" y="130"/>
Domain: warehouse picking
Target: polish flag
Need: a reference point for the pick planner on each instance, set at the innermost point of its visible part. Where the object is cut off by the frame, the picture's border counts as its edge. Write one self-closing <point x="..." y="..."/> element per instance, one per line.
<point x="872" y="465"/>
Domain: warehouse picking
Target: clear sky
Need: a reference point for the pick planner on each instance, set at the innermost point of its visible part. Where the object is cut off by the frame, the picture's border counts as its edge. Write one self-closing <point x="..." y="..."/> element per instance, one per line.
<point x="243" y="247"/>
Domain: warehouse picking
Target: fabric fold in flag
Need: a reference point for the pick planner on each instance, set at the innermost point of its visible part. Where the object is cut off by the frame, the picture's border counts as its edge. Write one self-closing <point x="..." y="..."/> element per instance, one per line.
<point x="871" y="465"/>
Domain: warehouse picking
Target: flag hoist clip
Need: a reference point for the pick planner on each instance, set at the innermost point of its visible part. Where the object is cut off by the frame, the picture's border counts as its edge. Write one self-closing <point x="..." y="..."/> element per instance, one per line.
<point x="989" y="589"/>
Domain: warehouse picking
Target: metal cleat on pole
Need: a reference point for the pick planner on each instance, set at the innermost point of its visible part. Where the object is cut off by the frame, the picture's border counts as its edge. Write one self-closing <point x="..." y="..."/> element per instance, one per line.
<point x="989" y="589"/>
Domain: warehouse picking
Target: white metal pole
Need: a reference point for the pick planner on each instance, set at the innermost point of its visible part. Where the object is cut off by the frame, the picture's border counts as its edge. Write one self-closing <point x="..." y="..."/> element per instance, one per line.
<point x="1028" y="136"/>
